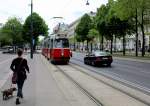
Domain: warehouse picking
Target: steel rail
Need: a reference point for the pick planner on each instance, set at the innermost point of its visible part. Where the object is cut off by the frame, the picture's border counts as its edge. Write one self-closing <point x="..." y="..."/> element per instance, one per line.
<point x="139" y="99"/>
<point x="88" y="94"/>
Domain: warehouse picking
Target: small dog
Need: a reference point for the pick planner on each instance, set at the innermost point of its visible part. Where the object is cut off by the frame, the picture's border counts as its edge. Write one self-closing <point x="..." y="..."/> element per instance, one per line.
<point x="8" y="92"/>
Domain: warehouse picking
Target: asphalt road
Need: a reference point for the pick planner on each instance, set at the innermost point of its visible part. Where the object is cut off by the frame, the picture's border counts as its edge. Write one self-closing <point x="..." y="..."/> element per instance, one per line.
<point x="136" y="73"/>
<point x="5" y="61"/>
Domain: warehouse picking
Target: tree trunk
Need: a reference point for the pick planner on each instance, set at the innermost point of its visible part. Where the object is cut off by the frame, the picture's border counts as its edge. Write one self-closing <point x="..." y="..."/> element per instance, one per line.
<point x="99" y="43"/>
<point x="87" y="46"/>
<point x="91" y="46"/>
<point x="149" y="44"/>
<point x="136" y="51"/>
<point x="83" y="46"/>
<point x="102" y="41"/>
<point x="74" y="44"/>
<point x="124" y="45"/>
<point x="34" y="48"/>
<point x="143" y="35"/>
<point x="111" y="45"/>
<point x="78" y="45"/>
<point x="115" y="44"/>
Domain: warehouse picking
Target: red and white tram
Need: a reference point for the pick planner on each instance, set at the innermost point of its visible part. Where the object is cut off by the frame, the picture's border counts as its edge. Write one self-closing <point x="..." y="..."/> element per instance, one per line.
<point x="56" y="49"/>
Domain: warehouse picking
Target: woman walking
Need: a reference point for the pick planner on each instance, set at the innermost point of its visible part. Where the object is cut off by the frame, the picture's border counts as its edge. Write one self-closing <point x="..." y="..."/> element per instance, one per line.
<point x="19" y="66"/>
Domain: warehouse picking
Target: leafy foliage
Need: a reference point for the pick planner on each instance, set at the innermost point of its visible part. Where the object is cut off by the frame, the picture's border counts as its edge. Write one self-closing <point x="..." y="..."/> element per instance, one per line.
<point x="137" y="11"/>
<point x="11" y="32"/>
<point x="39" y="27"/>
<point x="83" y="27"/>
<point x="93" y="33"/>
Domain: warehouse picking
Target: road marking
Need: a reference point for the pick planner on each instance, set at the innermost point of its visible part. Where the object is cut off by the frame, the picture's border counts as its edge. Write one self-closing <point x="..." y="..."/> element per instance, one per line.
<point x="132" y="84"/>
<point x="131" y="67"/>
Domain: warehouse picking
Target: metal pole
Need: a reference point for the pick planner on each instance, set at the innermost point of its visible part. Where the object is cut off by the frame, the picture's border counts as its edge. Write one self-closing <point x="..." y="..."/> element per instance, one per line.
<point x="31" y="55"/>
<point x="74" y="43"/>
<point x="136" y="42"/>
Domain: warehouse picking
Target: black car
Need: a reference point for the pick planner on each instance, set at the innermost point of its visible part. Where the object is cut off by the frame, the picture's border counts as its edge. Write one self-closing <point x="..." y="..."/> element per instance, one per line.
<point x="98" y="58"/>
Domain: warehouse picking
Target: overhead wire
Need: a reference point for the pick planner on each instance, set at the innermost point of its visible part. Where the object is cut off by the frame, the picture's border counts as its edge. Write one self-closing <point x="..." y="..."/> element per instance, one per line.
<point x="65" y="6"/>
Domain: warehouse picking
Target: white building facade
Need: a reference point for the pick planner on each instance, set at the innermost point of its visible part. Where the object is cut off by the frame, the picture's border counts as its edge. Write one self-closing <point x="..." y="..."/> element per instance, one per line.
<point x="130" y="39"/>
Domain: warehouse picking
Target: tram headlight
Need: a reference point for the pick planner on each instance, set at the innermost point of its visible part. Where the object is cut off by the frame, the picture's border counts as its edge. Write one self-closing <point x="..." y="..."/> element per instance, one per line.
<point x="62" y="54"/>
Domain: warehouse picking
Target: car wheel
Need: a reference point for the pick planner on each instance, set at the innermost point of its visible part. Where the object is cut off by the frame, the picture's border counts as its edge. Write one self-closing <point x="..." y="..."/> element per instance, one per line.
<point x="85" y="62"/>
<point x="109" y="65"/>
<point x="92" y="63"/>
<point x="67" y="62"/>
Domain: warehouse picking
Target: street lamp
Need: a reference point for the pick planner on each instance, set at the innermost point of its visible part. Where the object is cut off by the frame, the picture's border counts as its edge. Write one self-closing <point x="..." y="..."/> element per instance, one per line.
<point x="87" y="2"/>
<point x="31" y="55"/>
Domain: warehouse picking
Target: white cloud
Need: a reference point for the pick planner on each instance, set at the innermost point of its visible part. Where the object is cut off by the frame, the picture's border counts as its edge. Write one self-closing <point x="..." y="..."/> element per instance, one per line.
<point x="70" y="10"/>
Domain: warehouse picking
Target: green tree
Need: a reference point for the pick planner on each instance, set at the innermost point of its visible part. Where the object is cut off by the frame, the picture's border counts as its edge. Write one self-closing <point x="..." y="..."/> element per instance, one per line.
<point x="136" y="11"/>
<point x="5" y="39"/>
<point x="11" y="32"/>
<point x="127" y="9"/>
<point x="101" y="22"/>
<point x="83" y="27"/>
<point x="39" y="28"/>
<point x="93" y="33"/>
<point x="109" y="24"/>
<point x="143" y="8"/>
<point x="118" y="28"/>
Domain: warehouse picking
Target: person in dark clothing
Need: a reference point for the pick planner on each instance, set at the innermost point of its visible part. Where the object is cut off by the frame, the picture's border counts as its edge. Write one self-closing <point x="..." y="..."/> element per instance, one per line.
<point x="20" y="66"/>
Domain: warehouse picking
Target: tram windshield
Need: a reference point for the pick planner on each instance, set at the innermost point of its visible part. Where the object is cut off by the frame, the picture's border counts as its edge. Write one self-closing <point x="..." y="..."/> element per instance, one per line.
<point x="61" y="43"/>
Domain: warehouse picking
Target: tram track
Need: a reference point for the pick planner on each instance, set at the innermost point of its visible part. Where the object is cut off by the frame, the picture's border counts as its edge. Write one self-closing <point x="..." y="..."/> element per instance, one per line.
<point x="81" y="89"/>
<point x="139" y="99"/>
<point x="89" y="95"/>
<point x="93" y="98"/>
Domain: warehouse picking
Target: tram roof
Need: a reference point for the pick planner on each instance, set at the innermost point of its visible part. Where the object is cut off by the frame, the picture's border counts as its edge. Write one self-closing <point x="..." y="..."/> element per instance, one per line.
<point x="57" y="36"/>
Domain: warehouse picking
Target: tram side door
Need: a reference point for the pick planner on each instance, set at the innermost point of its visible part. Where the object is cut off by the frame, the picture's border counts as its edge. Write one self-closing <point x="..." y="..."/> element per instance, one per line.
<point x="51" y="48"/>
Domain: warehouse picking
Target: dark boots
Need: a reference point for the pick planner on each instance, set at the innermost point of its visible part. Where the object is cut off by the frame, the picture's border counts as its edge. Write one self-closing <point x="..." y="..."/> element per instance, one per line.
<point x="17" y="101"/>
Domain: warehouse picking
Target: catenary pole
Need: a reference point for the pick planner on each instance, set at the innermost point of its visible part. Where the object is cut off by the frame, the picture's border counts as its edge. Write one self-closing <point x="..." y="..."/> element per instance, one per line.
<point x="31" y="53"/>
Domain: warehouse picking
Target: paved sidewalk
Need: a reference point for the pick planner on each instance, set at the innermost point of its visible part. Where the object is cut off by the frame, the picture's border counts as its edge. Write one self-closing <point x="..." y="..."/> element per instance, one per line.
<point x="40" y="88"/>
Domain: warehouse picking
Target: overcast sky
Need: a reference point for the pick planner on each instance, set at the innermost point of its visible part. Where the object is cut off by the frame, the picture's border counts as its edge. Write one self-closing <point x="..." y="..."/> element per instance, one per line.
<point x="70" y="10"/>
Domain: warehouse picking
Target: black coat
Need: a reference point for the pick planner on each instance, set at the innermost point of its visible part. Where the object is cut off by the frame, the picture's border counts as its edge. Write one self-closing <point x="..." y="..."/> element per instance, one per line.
<point x="20" y="66"/>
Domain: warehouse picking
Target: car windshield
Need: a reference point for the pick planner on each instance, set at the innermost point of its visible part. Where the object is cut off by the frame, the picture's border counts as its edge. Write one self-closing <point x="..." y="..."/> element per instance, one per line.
<point x="101" y="53"/>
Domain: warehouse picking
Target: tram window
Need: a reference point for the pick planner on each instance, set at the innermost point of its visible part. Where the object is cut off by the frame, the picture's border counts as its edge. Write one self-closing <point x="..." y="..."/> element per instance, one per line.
<point x="58" y="43"/>
<point x="51" y="43"/>
<point x="65" y="43"/>
<point x="61" y="43"/>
